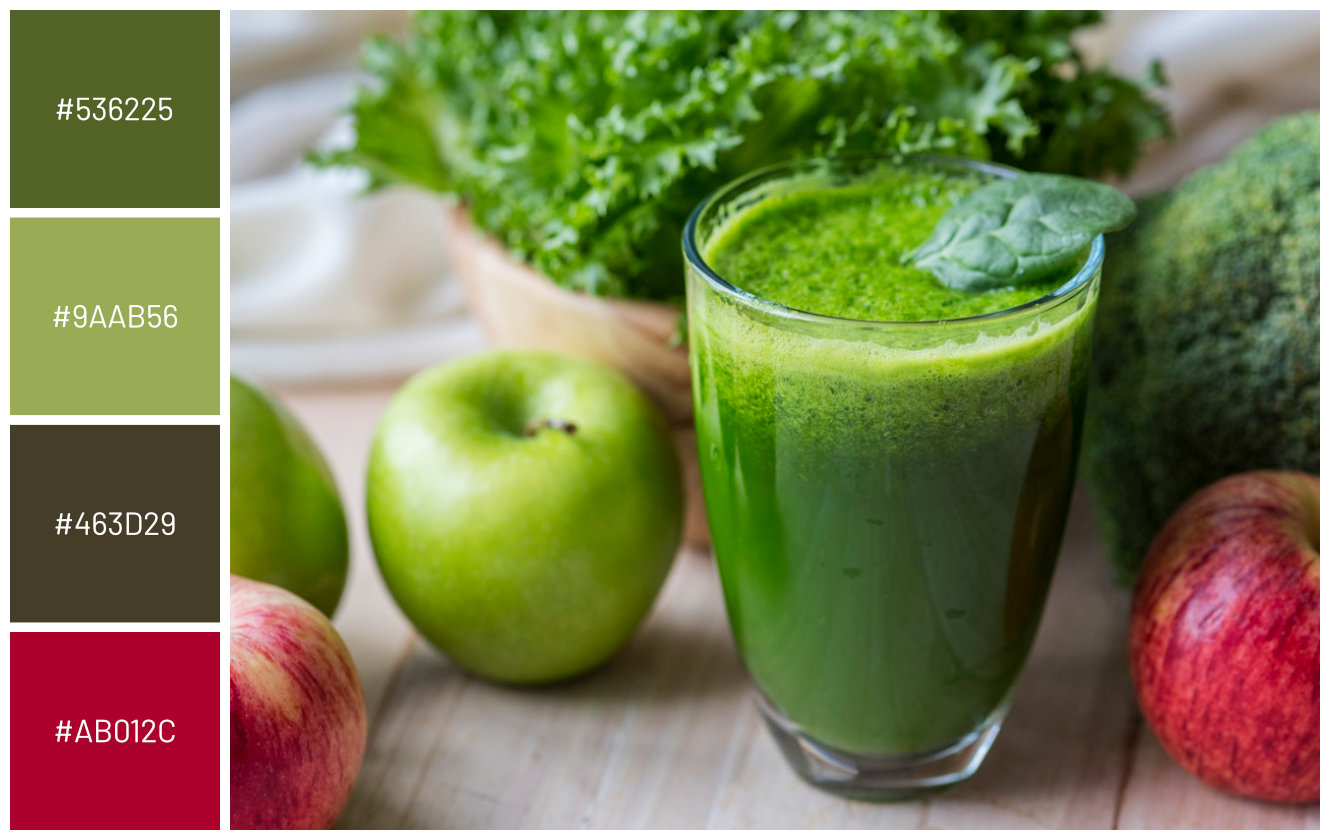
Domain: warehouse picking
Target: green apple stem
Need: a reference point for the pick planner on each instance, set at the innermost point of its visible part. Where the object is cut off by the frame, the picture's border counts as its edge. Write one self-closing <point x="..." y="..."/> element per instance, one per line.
<point x="551" y="423"/>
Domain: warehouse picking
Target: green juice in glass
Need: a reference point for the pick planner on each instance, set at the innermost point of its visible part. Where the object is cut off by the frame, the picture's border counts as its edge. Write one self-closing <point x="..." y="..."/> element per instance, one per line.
<point x="887" y="463"/>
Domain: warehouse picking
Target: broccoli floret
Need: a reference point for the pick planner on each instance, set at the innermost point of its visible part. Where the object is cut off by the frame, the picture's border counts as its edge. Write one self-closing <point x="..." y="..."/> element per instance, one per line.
<point x="1207" y="338"/>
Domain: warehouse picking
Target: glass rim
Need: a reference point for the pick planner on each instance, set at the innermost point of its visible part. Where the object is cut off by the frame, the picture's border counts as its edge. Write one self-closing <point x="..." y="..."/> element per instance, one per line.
<point x="693" y="256"/>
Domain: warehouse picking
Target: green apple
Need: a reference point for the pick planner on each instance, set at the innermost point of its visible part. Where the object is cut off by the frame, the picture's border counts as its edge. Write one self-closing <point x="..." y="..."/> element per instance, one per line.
<point x="287" y="523"/>
<point x="525" y="509"/>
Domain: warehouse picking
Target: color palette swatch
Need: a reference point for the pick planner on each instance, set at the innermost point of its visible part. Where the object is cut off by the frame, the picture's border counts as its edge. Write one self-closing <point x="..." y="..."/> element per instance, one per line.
<point x="115" y="316"/>
<point x="114" y="730"/>
<point x="114" y="523"/>
<point x="115" y="109"/>
<point x="115" y="385"/>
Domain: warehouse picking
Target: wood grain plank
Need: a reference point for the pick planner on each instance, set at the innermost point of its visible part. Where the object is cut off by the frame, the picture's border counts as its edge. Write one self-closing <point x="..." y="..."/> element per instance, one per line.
<point x="1159" y="794"/>
<point x="341" y="421"/>
<point x="667" y="765"/>
<point x="764" y="793"/>
<point x="667" y="736"/>
<point x="1063" y="750"/>
<point x="607" y="749"/>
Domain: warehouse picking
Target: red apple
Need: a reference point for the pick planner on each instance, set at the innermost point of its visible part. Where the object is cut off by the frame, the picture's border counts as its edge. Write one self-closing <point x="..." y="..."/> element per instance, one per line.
<point x="1225" y="636"/>
<point x="297" y="712"/>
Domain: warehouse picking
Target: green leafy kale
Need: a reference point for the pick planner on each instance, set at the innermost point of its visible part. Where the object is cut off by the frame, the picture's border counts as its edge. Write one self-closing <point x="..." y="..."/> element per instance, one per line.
<point x="582" y="140"/>
<point x="1207" y="339"/>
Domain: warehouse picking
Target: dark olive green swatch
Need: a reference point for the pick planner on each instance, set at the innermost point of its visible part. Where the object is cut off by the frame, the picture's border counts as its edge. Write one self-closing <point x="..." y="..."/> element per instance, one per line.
<point x="90" y="469"/>
<point x="72" y="163"/>
<point x="58" y="263"/>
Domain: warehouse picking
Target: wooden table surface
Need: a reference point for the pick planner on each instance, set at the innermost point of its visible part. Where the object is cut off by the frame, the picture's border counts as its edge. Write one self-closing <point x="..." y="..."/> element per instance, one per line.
<point x="667" y="736"/>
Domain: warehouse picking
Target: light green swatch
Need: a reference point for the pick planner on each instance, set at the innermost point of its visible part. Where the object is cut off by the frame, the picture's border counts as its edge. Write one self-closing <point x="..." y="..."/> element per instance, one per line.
<point x="114" y="369"/>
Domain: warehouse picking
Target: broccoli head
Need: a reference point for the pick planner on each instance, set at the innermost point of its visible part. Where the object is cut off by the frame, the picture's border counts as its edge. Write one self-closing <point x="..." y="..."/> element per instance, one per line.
<point x="1207" y="338"/>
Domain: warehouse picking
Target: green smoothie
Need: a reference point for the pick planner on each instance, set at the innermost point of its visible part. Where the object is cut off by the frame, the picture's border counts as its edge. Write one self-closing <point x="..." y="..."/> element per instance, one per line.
<point x="886" y="500"/>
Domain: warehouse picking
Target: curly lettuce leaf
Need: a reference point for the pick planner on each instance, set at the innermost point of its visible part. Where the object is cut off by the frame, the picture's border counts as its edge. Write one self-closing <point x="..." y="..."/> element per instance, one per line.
<point x="582" y="140"/>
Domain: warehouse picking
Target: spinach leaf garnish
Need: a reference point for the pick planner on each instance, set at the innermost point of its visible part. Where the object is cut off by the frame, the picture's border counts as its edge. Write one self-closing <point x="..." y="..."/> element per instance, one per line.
<point x="1017" y="231"/>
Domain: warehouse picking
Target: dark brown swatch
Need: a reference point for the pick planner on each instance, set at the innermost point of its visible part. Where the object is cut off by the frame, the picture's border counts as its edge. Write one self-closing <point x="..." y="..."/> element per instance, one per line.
<point x="85" y="470"/>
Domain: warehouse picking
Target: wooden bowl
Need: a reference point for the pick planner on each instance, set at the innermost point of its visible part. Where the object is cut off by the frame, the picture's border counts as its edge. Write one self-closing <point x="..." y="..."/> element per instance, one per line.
<point x="519" y="307"/>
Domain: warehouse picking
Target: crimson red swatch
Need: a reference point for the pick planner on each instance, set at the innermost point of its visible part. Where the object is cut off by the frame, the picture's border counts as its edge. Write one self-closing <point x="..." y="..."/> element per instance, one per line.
<point x="77" y="783"/>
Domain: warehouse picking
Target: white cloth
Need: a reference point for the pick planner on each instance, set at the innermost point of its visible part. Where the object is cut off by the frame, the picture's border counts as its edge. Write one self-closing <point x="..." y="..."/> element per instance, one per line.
<point x="1229" y="73"/>
<point x="327" y="284"/>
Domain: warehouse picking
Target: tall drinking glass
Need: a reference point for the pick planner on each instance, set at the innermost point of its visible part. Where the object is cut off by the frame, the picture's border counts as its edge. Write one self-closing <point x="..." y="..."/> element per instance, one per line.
<point x="886" y="502"/>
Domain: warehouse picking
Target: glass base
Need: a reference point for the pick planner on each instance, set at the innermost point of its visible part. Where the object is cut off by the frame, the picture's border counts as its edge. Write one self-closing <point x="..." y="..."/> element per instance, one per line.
<point x="879" y="777"/>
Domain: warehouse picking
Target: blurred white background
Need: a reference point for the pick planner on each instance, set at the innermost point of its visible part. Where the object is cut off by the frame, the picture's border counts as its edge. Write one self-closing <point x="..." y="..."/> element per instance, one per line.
<point x="328" y="285"/>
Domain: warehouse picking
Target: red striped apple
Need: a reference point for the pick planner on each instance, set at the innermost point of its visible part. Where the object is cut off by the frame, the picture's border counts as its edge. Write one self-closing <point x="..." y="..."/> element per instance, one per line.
<point x="1225" y="636"/>
<point x="297" y="712"/>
